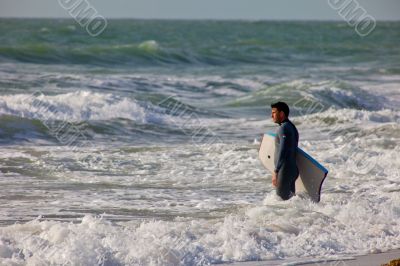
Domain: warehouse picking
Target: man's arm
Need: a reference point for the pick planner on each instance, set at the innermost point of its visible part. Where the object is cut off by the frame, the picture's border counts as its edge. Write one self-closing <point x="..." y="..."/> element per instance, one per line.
<point x="282" y="149"/>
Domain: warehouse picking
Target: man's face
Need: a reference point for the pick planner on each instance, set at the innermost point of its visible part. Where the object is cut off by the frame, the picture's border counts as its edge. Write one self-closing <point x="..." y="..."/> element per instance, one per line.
<point x="276" y="115"/>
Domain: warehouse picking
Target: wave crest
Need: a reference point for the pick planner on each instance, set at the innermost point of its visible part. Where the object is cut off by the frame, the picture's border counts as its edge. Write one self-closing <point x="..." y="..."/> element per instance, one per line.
<point x="75" y="106"/>
<point x="310" y="97"/>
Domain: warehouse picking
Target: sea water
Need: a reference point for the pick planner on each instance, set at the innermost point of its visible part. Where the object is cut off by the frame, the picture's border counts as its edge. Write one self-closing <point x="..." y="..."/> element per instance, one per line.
<point x="140" y="146"/>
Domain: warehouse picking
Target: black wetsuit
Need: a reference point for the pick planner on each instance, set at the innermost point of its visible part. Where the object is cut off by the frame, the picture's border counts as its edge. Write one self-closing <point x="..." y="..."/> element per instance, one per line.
<point x="286" y="142"/>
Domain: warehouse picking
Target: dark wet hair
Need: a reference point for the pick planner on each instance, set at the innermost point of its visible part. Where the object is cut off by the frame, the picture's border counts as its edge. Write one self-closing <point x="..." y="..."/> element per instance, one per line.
<point x="281" y="106"/>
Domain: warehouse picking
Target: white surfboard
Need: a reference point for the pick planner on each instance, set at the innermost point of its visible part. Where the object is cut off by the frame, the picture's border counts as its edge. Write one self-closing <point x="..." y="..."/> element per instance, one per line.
<point x="312" y="174"/>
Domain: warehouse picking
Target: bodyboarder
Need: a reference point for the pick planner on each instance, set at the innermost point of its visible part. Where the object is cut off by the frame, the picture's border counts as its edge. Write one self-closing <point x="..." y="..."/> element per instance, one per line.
<point x="286" y="141"/>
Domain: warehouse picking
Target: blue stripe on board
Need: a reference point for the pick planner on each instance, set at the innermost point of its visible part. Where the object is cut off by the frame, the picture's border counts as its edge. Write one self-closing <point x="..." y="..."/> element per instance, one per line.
<point x="313" y="161"/>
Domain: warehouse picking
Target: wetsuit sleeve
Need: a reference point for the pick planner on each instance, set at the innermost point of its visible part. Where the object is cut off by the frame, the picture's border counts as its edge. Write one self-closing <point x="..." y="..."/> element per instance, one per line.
<point x="282" y="149"/>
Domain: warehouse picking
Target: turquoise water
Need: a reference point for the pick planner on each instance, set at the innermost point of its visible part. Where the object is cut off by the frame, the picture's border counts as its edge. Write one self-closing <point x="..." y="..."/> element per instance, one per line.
<point x="139" y="146"/>
<point x="139" y="44"/>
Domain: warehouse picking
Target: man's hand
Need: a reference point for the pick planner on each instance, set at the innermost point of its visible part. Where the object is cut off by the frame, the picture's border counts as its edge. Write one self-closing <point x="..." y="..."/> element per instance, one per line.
<point x="274" y="179"/>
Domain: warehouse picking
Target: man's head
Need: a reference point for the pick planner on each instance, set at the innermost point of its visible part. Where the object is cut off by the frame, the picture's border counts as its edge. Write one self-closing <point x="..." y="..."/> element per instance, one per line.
<point x="279" y="112"/>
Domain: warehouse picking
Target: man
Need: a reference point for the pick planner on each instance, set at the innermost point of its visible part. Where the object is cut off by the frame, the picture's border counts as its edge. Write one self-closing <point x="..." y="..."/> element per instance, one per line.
<point x="286" y="141"/>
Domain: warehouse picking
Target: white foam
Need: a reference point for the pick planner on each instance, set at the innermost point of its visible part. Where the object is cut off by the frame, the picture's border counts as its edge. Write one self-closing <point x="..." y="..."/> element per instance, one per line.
<point x="358" y="211"/>
<point x="301" y="229"/>
<point x="350" y="116"/>
<point x="149" y="46"/>
<point x="76" y="106"/>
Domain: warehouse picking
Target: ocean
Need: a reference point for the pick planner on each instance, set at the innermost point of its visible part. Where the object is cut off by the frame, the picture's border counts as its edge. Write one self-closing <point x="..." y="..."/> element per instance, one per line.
<point x="140" y="146"/>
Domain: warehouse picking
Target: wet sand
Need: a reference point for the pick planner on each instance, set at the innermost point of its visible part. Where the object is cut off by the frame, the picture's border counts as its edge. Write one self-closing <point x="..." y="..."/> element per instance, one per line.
<point x="364" y="260"/>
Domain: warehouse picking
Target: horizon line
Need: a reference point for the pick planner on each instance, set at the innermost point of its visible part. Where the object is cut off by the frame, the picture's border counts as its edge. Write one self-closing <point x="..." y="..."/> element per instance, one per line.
<point x="201" y="19"/>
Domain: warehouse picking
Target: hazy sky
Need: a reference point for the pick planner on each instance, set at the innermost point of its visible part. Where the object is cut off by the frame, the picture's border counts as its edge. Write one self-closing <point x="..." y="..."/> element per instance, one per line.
<point x="202" y="9"/>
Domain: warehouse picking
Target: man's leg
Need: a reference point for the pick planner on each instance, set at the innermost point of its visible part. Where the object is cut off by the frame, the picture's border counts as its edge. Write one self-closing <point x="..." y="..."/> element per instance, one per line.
<point x="286" y="183"/>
